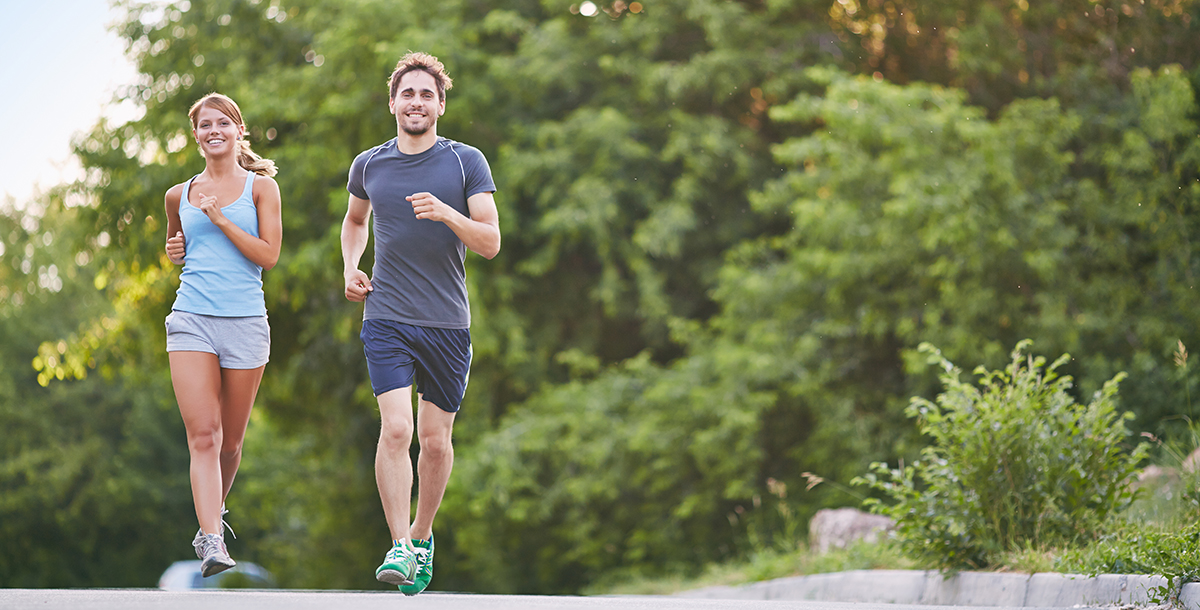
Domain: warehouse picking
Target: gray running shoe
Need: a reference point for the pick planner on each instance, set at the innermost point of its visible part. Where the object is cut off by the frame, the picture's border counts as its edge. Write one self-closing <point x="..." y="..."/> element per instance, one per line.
<point x="210" y="548"/>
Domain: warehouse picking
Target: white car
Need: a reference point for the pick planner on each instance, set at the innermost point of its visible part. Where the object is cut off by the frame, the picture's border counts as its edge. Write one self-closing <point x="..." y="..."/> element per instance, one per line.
<point x="184" y="575"/>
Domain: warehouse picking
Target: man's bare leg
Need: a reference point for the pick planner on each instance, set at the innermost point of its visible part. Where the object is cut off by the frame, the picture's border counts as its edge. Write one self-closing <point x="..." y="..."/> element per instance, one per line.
<point x="436" y="460"/>
<point x="393" y="466"/>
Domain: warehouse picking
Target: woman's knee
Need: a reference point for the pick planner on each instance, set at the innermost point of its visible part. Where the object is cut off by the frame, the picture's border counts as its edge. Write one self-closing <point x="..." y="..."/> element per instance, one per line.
<point x="206" y="438"/>
<point x="231" y="448"/>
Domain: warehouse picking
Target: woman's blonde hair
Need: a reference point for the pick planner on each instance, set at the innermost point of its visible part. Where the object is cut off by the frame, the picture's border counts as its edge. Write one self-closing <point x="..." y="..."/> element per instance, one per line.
<point x="246" y="158"/>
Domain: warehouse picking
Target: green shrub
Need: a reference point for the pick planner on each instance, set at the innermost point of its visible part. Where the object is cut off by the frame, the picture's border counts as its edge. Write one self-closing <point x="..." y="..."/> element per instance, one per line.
<point x="1134" y="548"/>
<point x="1013" y="463"/>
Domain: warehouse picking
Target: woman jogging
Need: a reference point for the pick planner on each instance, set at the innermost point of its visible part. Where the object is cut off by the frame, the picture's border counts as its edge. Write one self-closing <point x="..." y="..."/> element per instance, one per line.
<point x="224" y="226"/>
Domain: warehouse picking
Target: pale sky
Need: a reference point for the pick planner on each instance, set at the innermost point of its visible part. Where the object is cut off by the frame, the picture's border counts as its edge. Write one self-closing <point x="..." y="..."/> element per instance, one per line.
<point x="59" y="68"/>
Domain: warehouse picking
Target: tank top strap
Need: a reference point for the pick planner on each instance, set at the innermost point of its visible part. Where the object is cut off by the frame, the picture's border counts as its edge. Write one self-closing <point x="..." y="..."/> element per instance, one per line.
<point x="248" y="190"/>
<point x="187" y="186"/>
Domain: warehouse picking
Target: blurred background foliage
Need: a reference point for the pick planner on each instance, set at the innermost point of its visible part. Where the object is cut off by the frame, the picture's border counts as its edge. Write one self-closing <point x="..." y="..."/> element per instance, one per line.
<point x="727" y="227"/>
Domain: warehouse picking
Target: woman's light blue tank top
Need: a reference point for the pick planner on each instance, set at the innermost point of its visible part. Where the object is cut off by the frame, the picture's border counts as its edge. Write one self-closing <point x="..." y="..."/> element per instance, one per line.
<point x="217" y="279"/>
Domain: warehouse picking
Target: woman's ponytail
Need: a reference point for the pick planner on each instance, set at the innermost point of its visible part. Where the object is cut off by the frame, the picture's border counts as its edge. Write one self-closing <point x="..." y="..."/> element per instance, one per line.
<point x="250" y="160"/>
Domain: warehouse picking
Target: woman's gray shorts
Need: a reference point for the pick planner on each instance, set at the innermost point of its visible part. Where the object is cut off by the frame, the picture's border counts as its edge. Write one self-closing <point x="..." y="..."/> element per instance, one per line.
<point x="239" y="343"/>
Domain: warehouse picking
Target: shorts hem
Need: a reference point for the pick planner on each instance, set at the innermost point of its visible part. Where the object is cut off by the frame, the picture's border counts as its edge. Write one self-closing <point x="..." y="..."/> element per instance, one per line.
<point x="389" y="389"/>
<point x="188" y="348"/>
<point x="444" y="408"/>
<point x="245" y="368"/>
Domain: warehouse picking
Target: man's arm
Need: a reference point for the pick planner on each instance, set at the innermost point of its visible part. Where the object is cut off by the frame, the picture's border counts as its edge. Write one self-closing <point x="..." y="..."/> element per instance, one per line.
<point x="480" y="232"/>
<point x="355" y="233"/>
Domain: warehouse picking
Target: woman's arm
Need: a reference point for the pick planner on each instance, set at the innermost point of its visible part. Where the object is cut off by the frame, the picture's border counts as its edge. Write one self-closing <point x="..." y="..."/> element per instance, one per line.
<point x="175" y="241"/>
<point x="264" y="249"/>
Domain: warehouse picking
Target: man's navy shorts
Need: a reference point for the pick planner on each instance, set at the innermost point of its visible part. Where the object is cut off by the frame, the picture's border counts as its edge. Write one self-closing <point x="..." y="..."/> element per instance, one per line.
<point x="438" y="359"/>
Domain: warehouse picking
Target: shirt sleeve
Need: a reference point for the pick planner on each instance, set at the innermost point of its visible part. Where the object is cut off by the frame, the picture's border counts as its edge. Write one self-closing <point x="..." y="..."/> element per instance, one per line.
<point x="478" y="174"/>
<point x="354" y="183"/>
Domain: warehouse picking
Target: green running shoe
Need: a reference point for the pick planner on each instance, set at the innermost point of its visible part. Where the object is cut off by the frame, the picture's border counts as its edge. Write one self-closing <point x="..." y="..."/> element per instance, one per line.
<point x="399" y="566"/>
<point x="424" y="549"/>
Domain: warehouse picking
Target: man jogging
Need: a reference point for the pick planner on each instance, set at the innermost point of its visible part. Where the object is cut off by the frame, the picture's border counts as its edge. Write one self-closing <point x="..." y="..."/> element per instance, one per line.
<point x="432" y="199"/>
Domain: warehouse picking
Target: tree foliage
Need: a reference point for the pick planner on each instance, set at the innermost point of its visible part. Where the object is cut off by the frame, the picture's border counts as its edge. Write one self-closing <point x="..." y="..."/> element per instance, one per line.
<point x="84" y="466"/>
<point x="727" y="227"/>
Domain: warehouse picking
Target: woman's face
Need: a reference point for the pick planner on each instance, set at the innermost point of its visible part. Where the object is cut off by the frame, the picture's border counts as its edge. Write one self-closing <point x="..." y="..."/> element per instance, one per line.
<point x="216" y="132"/>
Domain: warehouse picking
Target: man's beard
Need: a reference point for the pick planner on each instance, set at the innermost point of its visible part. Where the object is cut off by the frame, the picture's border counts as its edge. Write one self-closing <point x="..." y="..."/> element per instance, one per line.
<point x="415" y="129"/>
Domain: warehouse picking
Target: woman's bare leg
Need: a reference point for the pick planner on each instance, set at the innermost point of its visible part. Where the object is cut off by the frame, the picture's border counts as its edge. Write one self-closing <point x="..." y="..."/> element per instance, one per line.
<point x="238" y="389"/>
<point x="196" y="377"/>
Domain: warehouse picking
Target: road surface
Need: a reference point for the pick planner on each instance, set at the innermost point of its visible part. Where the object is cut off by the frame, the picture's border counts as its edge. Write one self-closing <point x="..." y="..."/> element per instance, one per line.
<point x="154" y="599"/>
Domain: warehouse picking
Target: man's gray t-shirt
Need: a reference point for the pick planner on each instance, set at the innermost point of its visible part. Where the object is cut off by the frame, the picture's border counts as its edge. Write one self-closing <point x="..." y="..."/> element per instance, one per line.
<point x="418" y="277"/>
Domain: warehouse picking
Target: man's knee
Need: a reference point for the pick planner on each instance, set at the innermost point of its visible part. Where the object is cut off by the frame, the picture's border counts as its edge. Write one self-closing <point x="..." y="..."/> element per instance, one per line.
<point x="396" y="434"/>
<point x="436" y="444"/>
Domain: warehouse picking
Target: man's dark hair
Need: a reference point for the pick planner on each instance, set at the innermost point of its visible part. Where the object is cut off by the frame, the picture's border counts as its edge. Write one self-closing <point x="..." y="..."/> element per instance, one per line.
<point x="426" y="63"/>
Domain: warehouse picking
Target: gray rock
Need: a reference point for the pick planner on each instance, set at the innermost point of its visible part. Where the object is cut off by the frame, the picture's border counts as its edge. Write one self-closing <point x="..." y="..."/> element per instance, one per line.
<point x="836" y="528"/>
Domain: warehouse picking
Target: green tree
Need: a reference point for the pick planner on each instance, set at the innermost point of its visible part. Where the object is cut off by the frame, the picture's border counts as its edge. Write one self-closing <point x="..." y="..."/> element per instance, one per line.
<point x="803" y="367"/>
<point x="1079" y="51"/>
<point x="86" y="468"/>
<point x="911" y="216"/>
<point x="701" y="237"/>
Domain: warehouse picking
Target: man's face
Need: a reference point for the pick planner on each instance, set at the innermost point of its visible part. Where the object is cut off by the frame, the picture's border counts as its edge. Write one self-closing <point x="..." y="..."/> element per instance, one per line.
<point x="416" y="105"/>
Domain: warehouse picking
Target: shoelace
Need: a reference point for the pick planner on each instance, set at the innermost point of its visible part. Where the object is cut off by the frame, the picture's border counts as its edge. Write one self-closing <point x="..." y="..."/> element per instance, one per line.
<point x="225" y="523"/>
<point x="208" y="545"/>
<point x="418" y="553"/>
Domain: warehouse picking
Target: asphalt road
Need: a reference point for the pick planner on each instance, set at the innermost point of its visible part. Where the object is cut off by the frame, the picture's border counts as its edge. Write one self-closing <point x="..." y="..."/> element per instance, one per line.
<point x="147" y="599"/>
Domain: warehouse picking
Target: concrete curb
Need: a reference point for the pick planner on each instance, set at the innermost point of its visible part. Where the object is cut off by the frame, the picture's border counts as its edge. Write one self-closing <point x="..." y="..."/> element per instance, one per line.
<point x="1044" y="590"/>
